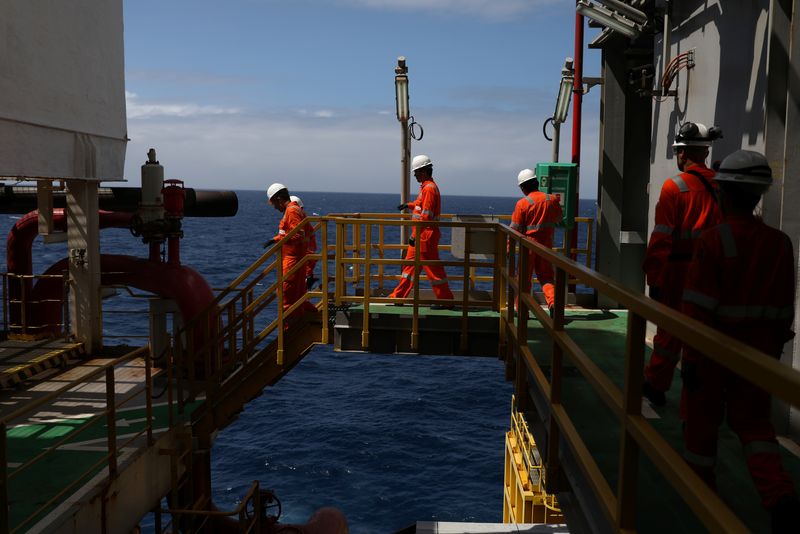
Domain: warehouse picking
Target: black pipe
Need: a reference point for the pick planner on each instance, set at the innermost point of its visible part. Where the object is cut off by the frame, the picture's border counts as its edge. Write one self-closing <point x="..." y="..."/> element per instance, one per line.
<point x="22" y="199"/>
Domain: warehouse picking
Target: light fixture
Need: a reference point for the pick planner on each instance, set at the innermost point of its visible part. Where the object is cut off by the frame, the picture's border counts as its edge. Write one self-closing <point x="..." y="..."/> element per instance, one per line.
<point x="607" y="18"/>
<point x="564" y="92"/>
<point x="401" y="89"/>
<point x="625" y="10"/>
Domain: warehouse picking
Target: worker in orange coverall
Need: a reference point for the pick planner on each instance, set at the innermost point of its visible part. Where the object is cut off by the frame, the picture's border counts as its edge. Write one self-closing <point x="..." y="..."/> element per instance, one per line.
<point x="686" y="206"/>
<point x="427" y="207"/>
<point x="311" y="245"/>
<point x="536" y="215"/>
<point x="740" y="282"/>
<point x="294" y="247"/>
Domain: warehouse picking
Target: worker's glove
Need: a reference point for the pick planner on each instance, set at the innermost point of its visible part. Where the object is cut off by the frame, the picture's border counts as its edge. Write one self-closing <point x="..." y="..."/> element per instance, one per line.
<point x="655" y="293"/>
<point x="689" y="375"/>
<point x="411" y="241"/>
<point x="311" y="281"/>
<point x="402" y="207"/>
<point x="271" y="242"/>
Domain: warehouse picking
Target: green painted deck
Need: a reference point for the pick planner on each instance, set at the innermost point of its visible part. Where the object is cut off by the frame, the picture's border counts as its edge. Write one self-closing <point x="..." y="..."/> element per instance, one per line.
<point x="75" y="417"/>
<point x="601" y="335"/>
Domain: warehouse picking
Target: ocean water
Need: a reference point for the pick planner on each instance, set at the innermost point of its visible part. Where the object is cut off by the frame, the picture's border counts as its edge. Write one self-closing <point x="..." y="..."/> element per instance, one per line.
<point x="389" y="440"/>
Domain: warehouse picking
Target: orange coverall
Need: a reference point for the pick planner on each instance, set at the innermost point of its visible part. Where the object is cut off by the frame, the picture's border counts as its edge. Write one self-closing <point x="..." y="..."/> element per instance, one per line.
<point x="536" y="216"/>
<point x="685" y="208"/>
<point x="741" y="282"/>
<point x="311" y="245"/>
<point x="427" y="207"/>
<point x="294" y="249"/>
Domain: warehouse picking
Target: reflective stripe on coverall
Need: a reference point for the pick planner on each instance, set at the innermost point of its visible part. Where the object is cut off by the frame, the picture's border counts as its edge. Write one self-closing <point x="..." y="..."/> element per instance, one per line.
<point x="294" y="249"/>
<point x="741" y="282"/>
<point x="427" y="207"/>
<point x="536" y="216"/>
<point x="685" y="208"/>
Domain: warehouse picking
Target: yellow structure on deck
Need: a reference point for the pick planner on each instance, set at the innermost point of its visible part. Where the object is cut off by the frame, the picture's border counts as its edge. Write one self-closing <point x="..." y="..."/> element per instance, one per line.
<point x="524" y="497"/>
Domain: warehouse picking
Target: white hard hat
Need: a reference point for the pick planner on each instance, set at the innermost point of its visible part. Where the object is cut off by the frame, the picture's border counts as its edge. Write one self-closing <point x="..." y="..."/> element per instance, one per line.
<point x="525" y="175"/>
<point x="745" y="167"/>
<point x="274" y="188"/>
<point x="420" y="161"/>
<point x="696" y="134"/>
<point x="294" y="198"/>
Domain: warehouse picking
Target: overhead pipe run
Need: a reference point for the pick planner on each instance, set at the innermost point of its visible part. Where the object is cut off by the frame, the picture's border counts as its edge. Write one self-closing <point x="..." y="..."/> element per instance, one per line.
<point x="22" y="199"/>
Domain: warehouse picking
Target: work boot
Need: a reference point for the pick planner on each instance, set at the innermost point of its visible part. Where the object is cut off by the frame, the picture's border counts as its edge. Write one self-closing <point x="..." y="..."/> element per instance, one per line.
<point x="656" y="397"/>
<point x="786" y="515"/>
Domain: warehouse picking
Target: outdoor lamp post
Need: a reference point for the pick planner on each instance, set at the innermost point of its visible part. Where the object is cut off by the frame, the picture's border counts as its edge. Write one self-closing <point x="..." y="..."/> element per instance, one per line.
<point x="401" y="98"/>
<point x="562" y="102"/>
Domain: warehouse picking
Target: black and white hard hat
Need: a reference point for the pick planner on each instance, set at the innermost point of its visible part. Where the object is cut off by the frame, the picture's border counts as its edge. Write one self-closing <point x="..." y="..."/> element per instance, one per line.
<point x="745" y="167"/>
<point x="696" y="134"/>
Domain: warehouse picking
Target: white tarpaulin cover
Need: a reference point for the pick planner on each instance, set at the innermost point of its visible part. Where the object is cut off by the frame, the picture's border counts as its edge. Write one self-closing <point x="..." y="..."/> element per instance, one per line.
<point x="62" y="89"/>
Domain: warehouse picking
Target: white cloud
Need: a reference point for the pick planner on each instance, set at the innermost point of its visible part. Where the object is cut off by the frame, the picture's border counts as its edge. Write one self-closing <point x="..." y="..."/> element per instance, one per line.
<point x="141" y="110"/>
<point x="474" y="153"/>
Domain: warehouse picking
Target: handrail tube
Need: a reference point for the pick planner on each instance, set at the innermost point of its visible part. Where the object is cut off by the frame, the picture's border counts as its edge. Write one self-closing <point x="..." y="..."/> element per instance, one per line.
<point x="587" y="464"/>
<point x="761" y="369"/>
<point x="50" y="396"/>
<point x="682" y="477"/>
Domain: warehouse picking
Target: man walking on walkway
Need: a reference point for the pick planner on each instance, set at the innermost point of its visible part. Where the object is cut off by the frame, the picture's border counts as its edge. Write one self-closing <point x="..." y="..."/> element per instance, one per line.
<point x="536" y="215"/>
<point x="427" y="207"/>
<point x="740" y="282"/>
<point x="294" y="247"/>
<point x="686" y="206"/>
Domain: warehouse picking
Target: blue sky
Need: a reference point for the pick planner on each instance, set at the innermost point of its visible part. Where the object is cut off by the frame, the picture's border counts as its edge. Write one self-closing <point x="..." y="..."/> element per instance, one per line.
<point x="241" y="93"/>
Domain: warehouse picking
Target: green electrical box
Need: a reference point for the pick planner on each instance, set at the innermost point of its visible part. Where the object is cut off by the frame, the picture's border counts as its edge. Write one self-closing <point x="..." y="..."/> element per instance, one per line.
<point x="560" y="179"/>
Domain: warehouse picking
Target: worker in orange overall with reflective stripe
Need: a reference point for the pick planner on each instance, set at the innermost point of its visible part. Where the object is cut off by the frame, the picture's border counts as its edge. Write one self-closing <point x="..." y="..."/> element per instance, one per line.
<point x="536" y="215"/>
<point x="427" y="207"/>
<point x="294" y="247"/>
<point x="686" y="206"/>
<point x="311" y="244"/>
<point x="740" y="282"/>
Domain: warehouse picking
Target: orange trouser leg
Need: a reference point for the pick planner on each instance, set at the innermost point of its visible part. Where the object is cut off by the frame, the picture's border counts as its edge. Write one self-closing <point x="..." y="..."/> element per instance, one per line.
<point x="436" y="274"/>
<point x="702" y="408"/>
<point x="749" y="417"/>
<point x="545" y="275"/>
<point x="310" y="264"/>
<point x="666" y="347"/>
<point x="544" y="272"/>
<point x="407" y="277"/>
<point x="294" y="286"/>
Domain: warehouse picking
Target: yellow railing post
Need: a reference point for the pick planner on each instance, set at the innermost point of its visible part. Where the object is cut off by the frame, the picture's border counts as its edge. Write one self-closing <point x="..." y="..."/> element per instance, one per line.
<point x="416" y="286"/>
<point x="381" y="255"/>
<point x="556" y="373"/>
<point x="281" y="318"/>
<point x="499" y="291"/>
<point x="632" y="405"/>
<point x="367" y="272"/>
<point x="464" y="340"/>
<point x="4" y="519"/>
<point x="324" y="288"/>
<point x="111" y="423"/>
<point x="339" y="262"/>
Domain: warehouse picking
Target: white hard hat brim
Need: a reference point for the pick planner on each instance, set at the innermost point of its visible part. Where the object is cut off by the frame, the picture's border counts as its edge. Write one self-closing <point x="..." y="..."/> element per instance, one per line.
<point x="742" y="178"/>
<point x="681" y="144"/>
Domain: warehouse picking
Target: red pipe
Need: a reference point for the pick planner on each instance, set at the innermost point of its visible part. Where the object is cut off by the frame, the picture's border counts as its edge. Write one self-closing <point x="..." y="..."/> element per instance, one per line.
<point x="177" y="282"/>
<point x="577" y="106"/>
<point x="19" y="259"/>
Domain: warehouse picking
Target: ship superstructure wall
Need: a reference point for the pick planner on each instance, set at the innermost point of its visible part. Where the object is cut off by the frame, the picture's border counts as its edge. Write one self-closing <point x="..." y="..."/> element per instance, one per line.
<point x="62" y="114"/>
<point x="745" y="80"/>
